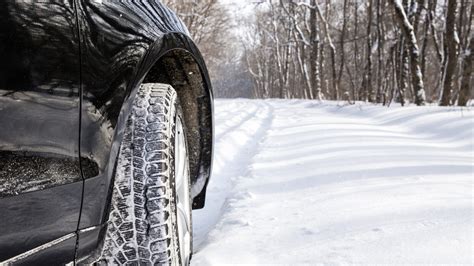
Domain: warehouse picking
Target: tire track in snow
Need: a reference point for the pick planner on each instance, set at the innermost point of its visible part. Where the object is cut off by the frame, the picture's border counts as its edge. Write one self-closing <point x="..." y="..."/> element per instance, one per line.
<point x="243" y="119"/>
<point x="235" y="146"/>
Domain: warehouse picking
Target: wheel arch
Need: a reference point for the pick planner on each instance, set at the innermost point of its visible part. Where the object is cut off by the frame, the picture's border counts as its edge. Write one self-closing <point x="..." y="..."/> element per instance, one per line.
<point x="179" y="63"/>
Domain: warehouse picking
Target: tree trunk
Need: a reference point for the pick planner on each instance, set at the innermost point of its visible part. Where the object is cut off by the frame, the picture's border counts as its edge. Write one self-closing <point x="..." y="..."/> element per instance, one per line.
<point x="369" y="91"/>
<point x="404" y="71"/>
<point x="342" y="52"/>
<point x="380" y="44"/>
<point x="465" y="91"/>
<point x="425" y="42"/>
<point x="417" y="77"/>
<point x="314" y="55"/>
<point x="355" y="86"/>
<point x="332" y="49"/>
<point x="451" y="47"/>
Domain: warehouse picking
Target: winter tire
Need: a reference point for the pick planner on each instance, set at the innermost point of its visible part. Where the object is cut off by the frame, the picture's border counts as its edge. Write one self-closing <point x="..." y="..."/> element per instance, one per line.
<point x="150" y="213"/>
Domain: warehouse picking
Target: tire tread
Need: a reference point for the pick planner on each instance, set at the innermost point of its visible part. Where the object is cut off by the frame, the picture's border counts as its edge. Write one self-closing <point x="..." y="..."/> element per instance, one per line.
<point x="140" y="227"/>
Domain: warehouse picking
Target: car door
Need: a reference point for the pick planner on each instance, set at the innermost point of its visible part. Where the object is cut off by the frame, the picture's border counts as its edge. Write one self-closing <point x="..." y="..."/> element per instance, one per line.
<point x="40" y="178"/>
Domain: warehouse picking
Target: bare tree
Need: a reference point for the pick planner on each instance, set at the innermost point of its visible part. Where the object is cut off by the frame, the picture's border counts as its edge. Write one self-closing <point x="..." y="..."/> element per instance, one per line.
<point x="408" y="31"/>
<point x="466" y="84"/>
<point x="342" y="50"/>
<point x="347" y="49"/>
<point x="451" y="41"/>
<point x="332" y="49"/>
<point x="314" y="54"/>
<point x="367" y="81"/>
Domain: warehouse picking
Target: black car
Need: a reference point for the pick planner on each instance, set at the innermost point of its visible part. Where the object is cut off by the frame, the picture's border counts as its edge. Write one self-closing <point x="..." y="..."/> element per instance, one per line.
<point x="106" y="131"/>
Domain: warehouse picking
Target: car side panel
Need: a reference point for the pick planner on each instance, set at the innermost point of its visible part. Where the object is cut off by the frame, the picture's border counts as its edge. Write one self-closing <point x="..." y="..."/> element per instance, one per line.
<point x="60" y="253"/>
<point x="40" y="179"/>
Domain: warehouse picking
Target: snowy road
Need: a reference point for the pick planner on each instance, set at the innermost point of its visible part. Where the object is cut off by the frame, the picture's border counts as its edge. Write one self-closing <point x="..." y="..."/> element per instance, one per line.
<point x="297" y="182"/>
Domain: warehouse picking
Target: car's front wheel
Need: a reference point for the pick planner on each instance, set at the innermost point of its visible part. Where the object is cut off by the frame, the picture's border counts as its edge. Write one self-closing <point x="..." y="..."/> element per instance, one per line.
<point x="150" y="214"/>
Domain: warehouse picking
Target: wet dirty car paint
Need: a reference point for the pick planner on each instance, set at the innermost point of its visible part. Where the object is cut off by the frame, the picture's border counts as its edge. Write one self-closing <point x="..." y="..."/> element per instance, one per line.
<point x="39" y="125"/>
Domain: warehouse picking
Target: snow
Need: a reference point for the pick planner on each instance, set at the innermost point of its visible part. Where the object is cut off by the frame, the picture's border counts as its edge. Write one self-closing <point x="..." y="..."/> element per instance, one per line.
<point x="302" y="182"/>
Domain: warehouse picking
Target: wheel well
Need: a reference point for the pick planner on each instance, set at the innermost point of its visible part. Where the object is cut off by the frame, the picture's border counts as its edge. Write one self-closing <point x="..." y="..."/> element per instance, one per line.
<point x="180" y="69"/>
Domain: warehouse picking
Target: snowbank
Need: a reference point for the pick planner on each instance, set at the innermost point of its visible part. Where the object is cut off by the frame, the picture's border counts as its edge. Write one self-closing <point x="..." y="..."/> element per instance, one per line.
<point x="299" y="182"/>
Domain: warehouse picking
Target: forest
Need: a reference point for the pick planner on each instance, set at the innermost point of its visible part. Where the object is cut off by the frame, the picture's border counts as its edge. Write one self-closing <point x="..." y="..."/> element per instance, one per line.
<point x="379" y="51"/>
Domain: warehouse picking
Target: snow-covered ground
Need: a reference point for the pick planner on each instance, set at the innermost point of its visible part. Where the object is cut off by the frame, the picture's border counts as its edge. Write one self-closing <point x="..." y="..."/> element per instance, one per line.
<point x="300" y="182"/>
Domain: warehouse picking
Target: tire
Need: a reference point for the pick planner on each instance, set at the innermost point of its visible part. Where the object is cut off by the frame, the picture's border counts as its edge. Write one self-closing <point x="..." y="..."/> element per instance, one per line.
<point x="150" y="212"/>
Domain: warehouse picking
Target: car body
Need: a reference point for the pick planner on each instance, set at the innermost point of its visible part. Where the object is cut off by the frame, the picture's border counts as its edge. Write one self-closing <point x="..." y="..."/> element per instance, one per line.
<point x="69" y="72"/>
